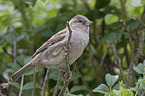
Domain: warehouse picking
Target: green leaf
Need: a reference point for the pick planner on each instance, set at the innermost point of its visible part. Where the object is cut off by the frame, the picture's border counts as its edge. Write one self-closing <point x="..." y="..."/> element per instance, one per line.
<point x="116" y="92"/>
<point x="132" y="23"/>
<point x="125" y="92"/>
<point x="110" y="79"/>
<point x="77" y="88"/>
<point x="20" y="59"/>
<point x="30" y="85"/>
<point x="101" y="3"/>
<point x="27" y="59"/>
<point x="75" y="76"/>
<point x="102" y="89"/>
<point x="141" y="80"/>
<point x="115" y="34"/>
<point x="142" y="86"/>
<point x="14" y="66"/>
<point x="21" y="36"/>
<point x="118" y="86"/>
<point x="114" y="25"/>
<point x="54" y="74"/>
<point x="135" y="88"/>
<point x="144" y="63"/>
<point x="139" y="68"/>
<point x="10" y="38"/>
<point x="32" y="71"/>
<point x="110" y="94"/>
<point x="15" y="84"/>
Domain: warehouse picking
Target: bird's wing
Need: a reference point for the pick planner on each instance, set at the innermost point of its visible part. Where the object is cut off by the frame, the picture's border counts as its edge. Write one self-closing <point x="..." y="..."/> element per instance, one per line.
<point x="54" y="39"/>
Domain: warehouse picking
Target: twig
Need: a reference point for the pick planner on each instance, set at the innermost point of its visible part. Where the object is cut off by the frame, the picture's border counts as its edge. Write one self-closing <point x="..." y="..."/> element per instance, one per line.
<point x="34" y="80"/>
<point x="45" y="83"/>
<point x="5" y="50"/>
<point x="117" y="59"/>
<point x="85" y="83"/>
<point x="68" y="72"/>
<point x="21" y="88"/>
<point x="103" y="58"/>
<point x="58" y="83"/>
<point x="132" y="56"/>
<point x="139" y="20"/>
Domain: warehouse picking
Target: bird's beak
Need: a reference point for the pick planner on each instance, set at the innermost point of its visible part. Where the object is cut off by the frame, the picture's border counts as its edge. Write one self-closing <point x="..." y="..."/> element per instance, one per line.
<point x="87" y="23"/>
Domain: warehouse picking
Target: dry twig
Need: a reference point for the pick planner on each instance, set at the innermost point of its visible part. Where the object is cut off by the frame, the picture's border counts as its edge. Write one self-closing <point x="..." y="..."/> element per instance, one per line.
<point x="45" y="83"/>
<point x="68" y="72"/>
<point x="58" y="83"/>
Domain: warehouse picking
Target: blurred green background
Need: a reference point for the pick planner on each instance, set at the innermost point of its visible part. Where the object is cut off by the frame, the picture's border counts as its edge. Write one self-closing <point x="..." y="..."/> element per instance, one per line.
<point x="26" y="24"/>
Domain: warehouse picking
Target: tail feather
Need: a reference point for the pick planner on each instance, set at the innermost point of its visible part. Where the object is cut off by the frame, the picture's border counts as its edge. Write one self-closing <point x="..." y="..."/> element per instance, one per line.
<point x="21" y="72"/>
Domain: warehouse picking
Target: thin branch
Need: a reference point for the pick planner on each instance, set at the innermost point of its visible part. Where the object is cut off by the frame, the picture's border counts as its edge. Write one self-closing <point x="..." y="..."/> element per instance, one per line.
<point x="141" y="22"/>
<point x="132" y="55"/>
<point x="117" y="58"/>
<point x="21" y="88"/>
<point x="5" y="50"/>
<point x="34" y="80"/>
<point x="68" y="72"/>
<point x="103" y="58"/>
<point x="58" y="83"/>
<point x="45" y="83"/>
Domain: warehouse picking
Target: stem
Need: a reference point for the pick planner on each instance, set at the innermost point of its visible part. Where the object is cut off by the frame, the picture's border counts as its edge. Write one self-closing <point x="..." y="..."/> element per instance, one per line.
<point x="67" y="79"/>
<point x="58" y="83"/>
<point x="45" y="83"/>
<point x="110" y="89"/>
<point x="21" y="88"/>
<point x="123" y="9"/>
<point x="34" y="79"/>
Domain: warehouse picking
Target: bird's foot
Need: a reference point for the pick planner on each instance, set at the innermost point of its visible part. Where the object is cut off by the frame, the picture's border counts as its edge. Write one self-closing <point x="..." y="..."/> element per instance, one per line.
<point x="67" y="47"/>
<point x="70" y="75"/>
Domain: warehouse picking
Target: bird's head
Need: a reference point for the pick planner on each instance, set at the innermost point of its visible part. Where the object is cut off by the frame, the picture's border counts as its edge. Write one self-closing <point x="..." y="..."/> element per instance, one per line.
<point x="80" y="21"/>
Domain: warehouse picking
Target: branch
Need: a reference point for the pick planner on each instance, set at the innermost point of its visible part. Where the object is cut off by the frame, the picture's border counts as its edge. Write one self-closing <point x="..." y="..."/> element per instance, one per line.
<point x="46" y="80"/>
<point x="141" y="22"/>
<point x="103" y="58"/>
<point x="68" y="72"/>
<point x="117" y="58"/>
<point x="21" y="88"/>
<point x="34" y="80"/>
<point x="5" y="50"/>
<point x="58" y="83"/>
<point x="132" y="55"/>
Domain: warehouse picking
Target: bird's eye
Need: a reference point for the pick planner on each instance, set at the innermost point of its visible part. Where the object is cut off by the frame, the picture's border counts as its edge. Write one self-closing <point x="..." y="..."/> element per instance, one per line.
<point x="80" y="21"/>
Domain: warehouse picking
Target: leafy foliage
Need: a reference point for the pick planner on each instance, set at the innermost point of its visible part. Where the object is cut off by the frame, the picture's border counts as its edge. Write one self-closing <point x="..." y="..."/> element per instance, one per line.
<point x="29" y="23"/>
<point x="122" y="90"/>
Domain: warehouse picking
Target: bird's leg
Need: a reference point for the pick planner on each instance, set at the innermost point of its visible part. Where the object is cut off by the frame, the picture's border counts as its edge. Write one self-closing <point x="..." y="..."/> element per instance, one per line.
<point x="68" y="47"/>
<point x="70" y="73"/>
<point x="63" y="70"/>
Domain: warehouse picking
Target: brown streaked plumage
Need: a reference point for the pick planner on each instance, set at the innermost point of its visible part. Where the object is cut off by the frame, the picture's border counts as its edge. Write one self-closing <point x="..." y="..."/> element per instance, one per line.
<point x="51" y="54"/>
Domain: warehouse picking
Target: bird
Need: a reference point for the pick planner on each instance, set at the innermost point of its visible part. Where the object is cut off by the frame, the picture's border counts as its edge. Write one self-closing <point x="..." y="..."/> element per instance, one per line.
<point x="52" y="53"/>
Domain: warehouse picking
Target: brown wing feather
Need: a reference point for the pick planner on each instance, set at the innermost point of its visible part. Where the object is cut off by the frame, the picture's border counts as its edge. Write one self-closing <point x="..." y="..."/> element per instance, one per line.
<point x="54" y="39"/>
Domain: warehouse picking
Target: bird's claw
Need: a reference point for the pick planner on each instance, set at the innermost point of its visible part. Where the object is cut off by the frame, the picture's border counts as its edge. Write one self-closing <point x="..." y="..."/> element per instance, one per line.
<point x="69" y="47"/>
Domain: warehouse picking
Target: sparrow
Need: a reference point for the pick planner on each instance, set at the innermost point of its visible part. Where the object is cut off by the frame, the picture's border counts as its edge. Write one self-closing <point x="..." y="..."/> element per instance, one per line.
<point x="52" y="53"/>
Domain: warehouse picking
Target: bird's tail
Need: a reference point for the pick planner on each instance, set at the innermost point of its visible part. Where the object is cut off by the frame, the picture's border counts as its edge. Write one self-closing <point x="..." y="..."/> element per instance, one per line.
<point x="21" y="71"/>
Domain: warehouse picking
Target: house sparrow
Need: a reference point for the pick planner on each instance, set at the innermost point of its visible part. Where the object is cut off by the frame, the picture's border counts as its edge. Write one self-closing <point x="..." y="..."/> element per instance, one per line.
<point x="52" y="53"/>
